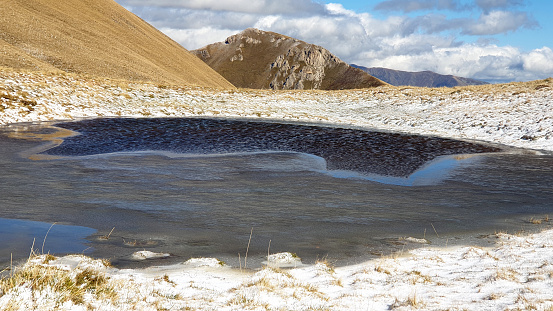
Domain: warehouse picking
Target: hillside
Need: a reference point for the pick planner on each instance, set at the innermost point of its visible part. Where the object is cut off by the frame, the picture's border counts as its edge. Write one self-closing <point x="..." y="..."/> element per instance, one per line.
<point x="420" y="79"/>
<point x="266" y="60"/>
<point x="515" y="114"/>
<point x="98" y="38"/>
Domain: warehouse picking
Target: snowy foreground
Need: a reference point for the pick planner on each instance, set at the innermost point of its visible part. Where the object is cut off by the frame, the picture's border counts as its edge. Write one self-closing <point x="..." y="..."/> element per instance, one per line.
<point x="515" y="274"/>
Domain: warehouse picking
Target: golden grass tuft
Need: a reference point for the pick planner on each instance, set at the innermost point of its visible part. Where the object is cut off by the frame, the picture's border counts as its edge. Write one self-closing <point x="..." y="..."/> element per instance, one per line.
<point x="539" y="221"/>
<point x="412" y="300"/>
<point x="326" y="265"/>
<point x="418" y="277"/>
<point x="10" y="98"/>
<point x="506" y="274"/>
<point x="67" y="285"/>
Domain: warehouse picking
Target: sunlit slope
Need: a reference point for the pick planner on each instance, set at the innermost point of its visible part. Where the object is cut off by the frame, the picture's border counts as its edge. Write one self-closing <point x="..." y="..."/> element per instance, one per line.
<point x="266" y="60"/>
<point x="96" y="37"/>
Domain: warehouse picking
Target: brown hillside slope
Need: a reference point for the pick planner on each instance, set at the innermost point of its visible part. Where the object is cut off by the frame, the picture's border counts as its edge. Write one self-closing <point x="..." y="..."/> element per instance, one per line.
<point x="96" y="37"/>
<point x="267" y="60"/>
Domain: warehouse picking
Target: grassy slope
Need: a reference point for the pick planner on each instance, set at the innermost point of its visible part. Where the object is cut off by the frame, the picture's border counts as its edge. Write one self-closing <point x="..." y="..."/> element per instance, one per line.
<point x="96" y="37"/>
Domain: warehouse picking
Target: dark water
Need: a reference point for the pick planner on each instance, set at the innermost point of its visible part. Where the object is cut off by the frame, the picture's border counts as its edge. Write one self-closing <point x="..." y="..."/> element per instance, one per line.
<point x="343" y="149"/>
<point x="196" y="187"/>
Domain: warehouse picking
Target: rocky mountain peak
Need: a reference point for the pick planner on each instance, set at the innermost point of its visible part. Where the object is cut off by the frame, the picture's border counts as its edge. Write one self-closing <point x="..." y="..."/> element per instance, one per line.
<point x="261" y="59"/>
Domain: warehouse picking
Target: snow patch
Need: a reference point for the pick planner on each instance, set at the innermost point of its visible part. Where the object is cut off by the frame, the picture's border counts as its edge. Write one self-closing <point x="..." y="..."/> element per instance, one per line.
<point x="144" y="255"/>
<point x="205" y="262"/>
<point x="283" y="260"/>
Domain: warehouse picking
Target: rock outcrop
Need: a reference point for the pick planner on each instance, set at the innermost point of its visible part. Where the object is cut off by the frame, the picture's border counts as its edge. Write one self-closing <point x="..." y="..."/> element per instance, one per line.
<point x="267" y="60"/>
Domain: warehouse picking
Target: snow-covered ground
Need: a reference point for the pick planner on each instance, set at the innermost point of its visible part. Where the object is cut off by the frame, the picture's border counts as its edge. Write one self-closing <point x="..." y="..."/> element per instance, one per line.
<point x="518" y="114"/>
<point x="515" y="274"/>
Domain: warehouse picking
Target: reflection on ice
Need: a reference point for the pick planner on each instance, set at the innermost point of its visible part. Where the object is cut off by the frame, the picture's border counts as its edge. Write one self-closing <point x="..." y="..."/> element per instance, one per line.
<point x="265" y="160"/>
<point x="390" y="154"/>
<point x="431" y="173"/>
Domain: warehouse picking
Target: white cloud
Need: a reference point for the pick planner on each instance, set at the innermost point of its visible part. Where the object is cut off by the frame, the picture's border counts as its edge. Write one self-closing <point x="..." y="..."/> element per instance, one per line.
<point x="197" y="37"/>
<point x="412" y="43"/>
<point x="418" y="5"/>
<point x="497" y="22"/>
<point x="408" y="6"/>
<point x="539" y="61"/>
<point x="497" y="4"/>
<point x="338" y="9"/>
<point x="489" y="62"/>
<point x="181" y="18"/>
<point x="344" y="36"/>
<point x="244" y="6"/>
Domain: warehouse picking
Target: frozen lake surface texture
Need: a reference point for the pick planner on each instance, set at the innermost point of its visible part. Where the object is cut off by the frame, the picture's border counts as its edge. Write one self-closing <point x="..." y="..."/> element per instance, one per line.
<point x="196" y="187"/>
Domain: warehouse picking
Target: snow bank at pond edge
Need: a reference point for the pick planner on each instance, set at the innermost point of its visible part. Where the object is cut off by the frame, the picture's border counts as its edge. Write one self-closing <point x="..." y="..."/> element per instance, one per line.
<point x="515" y="274"/>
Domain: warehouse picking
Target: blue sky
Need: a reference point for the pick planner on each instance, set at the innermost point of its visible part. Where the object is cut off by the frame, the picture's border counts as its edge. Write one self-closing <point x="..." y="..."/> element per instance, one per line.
<point x="491" y="40"/>
<point x="540" y="11"/>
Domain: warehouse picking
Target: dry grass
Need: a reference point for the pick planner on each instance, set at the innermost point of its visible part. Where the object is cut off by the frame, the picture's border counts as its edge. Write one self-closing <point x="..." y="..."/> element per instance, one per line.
<point x="412" y="300"/>
<point x="106" y="237"/>
<point x="100" y="38"/>
<point x="278" y="282"/>
<point x="65" y="284"/>
<point x="418" y="277"/>
<point x="506" y="274"/>
<point x="381" y="269"/>
<point x="539" y="221"/>
<point x="11" y="98"/>
<point x="326" y="265"/>
<point x="494" y="296"/>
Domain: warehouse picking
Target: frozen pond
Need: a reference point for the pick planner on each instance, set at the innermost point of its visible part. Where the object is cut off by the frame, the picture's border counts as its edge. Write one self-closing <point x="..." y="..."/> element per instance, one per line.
<point x="196" y="187"/>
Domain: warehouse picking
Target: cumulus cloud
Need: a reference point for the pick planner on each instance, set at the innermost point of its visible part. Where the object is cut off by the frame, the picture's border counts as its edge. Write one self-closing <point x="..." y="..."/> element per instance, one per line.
<point x="452" y="5"/>
<point x="490" y="63"/>
<point x="497" y="22"/>
<point x="180" y="18"/>
<point x="539" y="61"/>
<point x="344" y="36"/>
<point x="418" y="5"/>
<point x="485" y="62"/>
<point x="244" y="6"/>
<point x="498" y="4"/>
<point x="198" y="37"/>
<point x="410" y="42"/>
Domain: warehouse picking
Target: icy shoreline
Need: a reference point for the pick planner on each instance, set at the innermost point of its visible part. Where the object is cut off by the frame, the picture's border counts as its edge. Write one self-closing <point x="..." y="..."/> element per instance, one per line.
<point x="516" y="273"/>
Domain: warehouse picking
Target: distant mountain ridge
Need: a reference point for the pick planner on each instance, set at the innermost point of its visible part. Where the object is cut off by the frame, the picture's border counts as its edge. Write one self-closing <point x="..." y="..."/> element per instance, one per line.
<point x="420" y="79"/>
<point x="266" y="60"/>
<point x="95" y="37"/>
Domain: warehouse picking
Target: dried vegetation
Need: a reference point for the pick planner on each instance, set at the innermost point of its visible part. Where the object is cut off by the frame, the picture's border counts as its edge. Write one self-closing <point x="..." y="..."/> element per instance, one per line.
<point x="53" y="286"/>
<point x="95" y="37"/>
